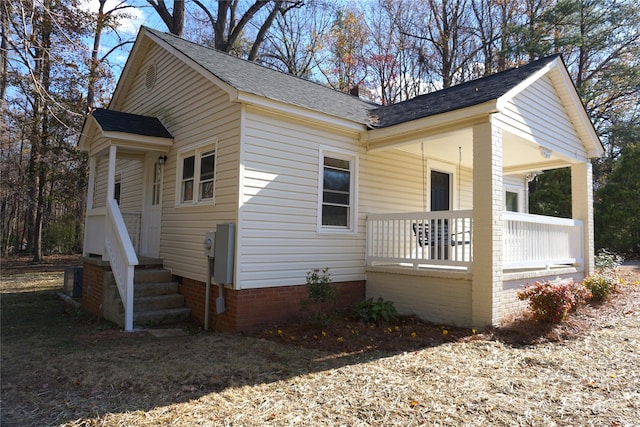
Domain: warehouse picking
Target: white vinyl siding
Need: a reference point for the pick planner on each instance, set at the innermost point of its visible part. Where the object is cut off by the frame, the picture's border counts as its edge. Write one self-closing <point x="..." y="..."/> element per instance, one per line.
<point x="537" y="112"/>
<point x="279" y="240"/>
<point x="196" y="113"/>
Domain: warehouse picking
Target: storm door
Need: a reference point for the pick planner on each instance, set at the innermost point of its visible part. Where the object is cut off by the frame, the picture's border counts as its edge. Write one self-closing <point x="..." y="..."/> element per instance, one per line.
<point x="152" y="209"/>
<point x="440" y="191"/>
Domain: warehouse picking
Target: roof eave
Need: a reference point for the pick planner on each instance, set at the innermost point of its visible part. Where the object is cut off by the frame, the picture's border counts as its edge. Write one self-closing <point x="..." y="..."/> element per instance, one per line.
<point x="300" y="112"/>
<point x="427" y="126"/>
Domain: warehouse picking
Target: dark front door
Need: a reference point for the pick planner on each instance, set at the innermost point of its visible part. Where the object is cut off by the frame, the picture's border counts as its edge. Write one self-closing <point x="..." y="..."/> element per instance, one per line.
<point x="440" y="191"/>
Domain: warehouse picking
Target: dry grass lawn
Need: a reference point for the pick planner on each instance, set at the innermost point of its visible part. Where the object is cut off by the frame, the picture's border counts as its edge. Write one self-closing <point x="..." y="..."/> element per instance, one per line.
<point x="60" y="366"/>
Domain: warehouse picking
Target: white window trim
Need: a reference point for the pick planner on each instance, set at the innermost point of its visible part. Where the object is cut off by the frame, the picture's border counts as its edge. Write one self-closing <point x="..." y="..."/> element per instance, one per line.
<point x="196" y="150"/>
<point x="352" y="157"/>
<point x="514" y="189"/>
<point x="448" y="168"/>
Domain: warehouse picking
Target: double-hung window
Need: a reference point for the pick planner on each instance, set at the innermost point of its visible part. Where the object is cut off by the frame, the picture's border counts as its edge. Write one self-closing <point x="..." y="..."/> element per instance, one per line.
<point x="337" y="198"/>
<point x="197" y="173"/>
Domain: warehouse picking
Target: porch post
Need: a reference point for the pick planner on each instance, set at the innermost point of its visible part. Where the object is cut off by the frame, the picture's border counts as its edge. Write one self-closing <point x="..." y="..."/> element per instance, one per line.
<point x="582" y="209"/>
<point x="487" y="223"/>
<point x="90" y="191"/>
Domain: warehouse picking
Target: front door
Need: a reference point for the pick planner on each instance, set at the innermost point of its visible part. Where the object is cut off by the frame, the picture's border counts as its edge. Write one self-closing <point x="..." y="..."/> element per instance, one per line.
<point x="152" y="209"/>
<point x="440" y="190"/>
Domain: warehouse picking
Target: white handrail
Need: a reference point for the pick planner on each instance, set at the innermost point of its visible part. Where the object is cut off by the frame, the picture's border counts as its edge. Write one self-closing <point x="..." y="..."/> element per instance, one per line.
<point x="541" y="241"/>
<point x="122" y="258"/>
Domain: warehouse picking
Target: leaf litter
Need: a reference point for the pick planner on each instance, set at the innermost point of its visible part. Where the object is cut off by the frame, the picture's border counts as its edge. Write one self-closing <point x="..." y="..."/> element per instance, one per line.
<point x="60" y="366"/>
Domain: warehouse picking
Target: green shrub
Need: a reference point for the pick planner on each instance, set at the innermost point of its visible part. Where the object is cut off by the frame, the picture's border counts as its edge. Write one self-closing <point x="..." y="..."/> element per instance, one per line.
<point x="320" y="291"/>
<point x="600" y="287"/>
<point x="552" y="302"/>
<point x="319" y="286"/>
<point x="607" y="261"/>
<point x="371" y="311"/>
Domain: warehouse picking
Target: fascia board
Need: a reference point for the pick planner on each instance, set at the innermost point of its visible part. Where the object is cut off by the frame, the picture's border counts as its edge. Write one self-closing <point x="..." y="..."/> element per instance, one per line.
<point x="428" y="126"/>
<point x="129" y="138"/>
<point x="226" y="87"/>
<point x="585" y="127"/>
<point x="125" y="79"/>
<point x="507" y="97"/>
<point x="88" y="129"/>
<point x="299" y="112"/>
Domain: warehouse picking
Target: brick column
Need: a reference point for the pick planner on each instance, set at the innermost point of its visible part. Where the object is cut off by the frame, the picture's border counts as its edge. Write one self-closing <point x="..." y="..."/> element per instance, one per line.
<point x="582" y="209"/>
<point x="487" y="223"/>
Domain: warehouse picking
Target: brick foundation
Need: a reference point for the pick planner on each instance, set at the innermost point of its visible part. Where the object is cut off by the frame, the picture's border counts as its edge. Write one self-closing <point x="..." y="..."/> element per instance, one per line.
<point x="93" y="277"/>
<point x="250" y="308"/>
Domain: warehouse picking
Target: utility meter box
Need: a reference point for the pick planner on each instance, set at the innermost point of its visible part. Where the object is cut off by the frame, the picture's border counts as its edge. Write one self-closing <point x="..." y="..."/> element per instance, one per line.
<point x="223" y="253"/>
<point x="209" y="244"/>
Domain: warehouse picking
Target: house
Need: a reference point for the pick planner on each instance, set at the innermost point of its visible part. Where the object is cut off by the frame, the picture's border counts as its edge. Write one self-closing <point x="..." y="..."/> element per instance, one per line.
<point x="423" y="202"/>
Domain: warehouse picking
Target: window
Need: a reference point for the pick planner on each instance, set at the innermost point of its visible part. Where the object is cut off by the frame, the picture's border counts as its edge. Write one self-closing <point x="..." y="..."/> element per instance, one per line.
<point x="157" y="184"/>
<point x="117" y="188"/>
<point x="197" y="173"/>
<point x="337" y="192"/>
<point x="511" y="201"/>
<point x="513" y="198"/>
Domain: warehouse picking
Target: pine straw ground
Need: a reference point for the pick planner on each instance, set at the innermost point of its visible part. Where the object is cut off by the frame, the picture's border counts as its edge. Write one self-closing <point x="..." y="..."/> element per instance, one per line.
<point x="63" y="367"/>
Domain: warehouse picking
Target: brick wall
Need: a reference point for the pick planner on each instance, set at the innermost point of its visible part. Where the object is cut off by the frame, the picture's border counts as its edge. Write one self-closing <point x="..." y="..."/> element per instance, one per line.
<point x="92" y="285"/>
<point x="250" y="308"/>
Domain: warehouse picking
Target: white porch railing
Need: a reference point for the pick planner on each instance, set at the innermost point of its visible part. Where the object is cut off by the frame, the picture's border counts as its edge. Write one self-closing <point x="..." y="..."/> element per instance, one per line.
<point x="121" y="255"/>
<point x="445" y="239"/>
<point x="442" y="238"/>
<point x="541" y="241"/>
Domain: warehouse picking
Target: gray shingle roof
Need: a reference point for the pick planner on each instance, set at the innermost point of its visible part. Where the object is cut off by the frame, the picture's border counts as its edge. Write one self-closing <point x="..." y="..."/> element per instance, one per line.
<point x="256" y="79"/>
<point x="116" y="121"/>
<point x="457" y="97"/>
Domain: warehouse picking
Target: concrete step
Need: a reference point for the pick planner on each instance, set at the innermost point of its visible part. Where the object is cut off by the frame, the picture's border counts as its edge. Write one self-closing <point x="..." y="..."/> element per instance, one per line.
<point x="157" y="302"/>
<point x="161" y="317"/>
<point x="151" y="289"/>
<point x="151" y="275"/>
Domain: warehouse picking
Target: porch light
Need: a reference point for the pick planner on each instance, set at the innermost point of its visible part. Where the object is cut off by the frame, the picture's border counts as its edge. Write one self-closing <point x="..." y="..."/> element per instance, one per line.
<point x="162" y="159"/>
<point x="545" y="152"/>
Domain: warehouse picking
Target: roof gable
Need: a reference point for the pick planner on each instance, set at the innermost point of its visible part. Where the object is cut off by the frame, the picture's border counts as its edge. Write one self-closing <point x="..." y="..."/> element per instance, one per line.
<point x="456" y="97"/>
<point x="250" y="77"/>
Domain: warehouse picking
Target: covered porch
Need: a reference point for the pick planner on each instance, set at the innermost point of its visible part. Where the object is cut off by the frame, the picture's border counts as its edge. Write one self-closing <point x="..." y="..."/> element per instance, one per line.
<point x="463" y="258"/>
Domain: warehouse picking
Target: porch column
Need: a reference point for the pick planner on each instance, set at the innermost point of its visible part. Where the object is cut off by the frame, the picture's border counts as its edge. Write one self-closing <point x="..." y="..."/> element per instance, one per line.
<point x="90" y="191"/>
<point x="487" y="223"/>
<point x="582" y="209"/>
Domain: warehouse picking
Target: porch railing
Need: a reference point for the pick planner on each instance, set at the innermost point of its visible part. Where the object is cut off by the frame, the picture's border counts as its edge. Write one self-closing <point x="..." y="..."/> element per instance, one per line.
<point x="121" y="256"/>
<point x="442" y="238"/>
<point x="541" y="241"/>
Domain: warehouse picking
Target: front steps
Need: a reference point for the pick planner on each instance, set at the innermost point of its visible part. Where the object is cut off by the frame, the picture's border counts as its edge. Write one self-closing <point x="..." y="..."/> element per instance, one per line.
<point x="156" y="299"/>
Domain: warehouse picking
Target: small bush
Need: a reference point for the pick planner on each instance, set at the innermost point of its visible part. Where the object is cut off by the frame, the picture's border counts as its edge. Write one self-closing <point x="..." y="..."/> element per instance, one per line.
<point x="552" y="302"/>
<point x="371" y="311"/>
<point x="319" y="286"/>
<point x="320" y="291"/>
<point x="600" y="287"/>
<point x="607" y="261"/>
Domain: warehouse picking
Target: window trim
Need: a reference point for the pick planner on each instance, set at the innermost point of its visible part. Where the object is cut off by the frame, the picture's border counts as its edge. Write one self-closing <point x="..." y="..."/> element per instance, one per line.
<point x="517" y="190"/>
<point x="197" y="151"/>
<point x="352" y="158"/>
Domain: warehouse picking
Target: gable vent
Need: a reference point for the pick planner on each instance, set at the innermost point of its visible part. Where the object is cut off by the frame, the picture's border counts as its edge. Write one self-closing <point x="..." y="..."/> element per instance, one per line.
<point x="150" y="78"/>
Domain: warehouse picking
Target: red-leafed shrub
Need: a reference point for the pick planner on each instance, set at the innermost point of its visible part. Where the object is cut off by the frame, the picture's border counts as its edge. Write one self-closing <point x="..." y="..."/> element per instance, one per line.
<point x="551" y="302"/>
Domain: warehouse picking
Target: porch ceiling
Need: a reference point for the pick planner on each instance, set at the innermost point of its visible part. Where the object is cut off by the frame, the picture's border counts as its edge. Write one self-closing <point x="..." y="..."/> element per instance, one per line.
<point x="519" y="154"/>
